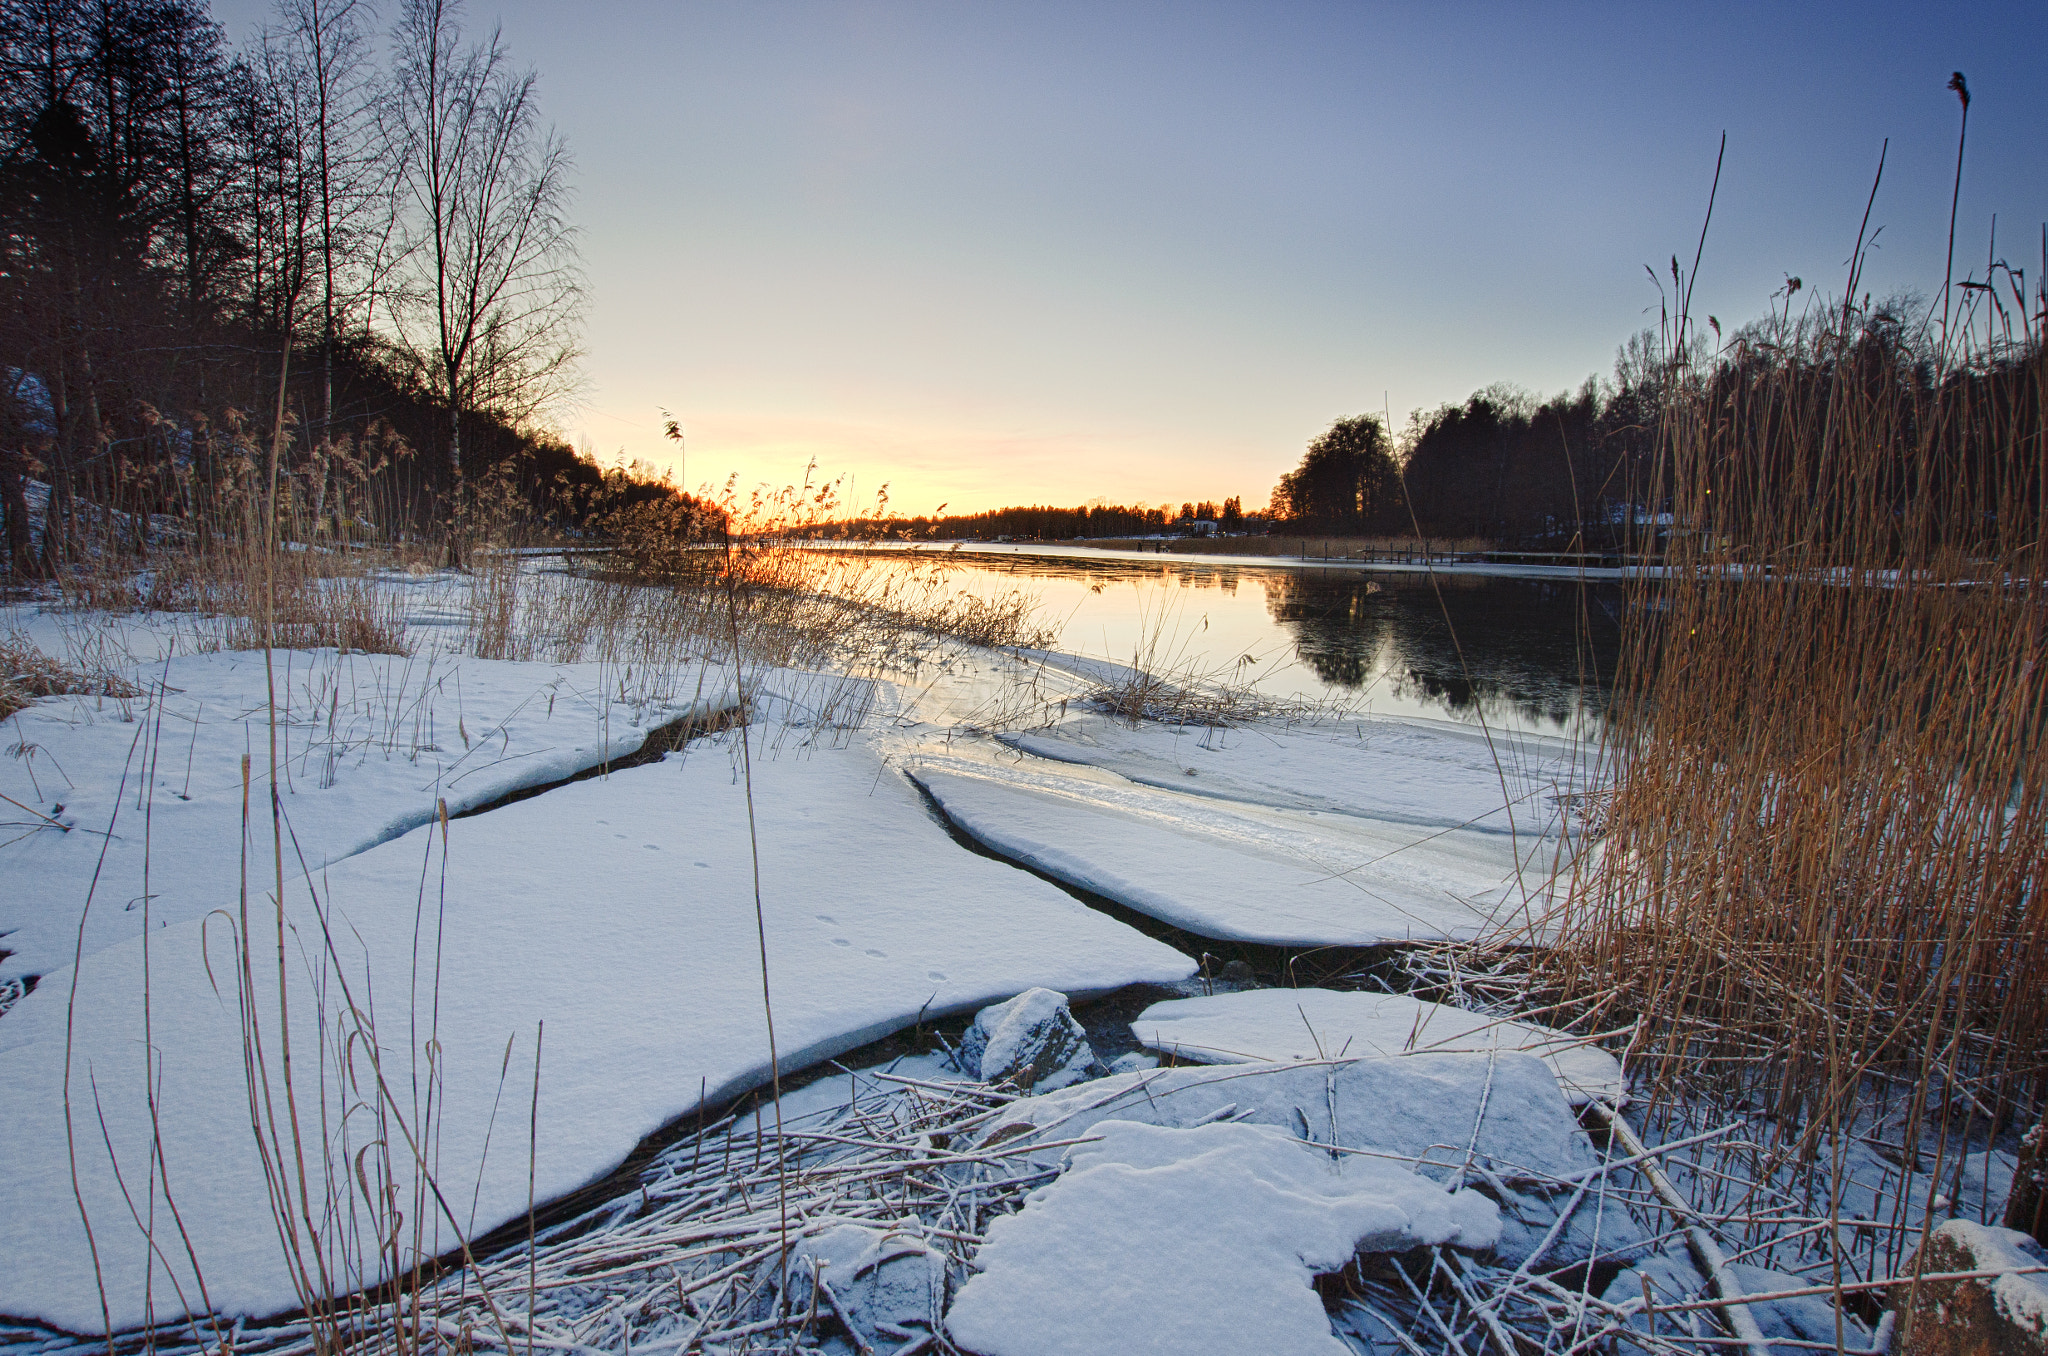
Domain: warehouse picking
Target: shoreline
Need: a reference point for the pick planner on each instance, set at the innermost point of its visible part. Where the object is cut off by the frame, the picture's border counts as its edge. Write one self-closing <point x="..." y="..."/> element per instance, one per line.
<point x="1445" y="564"/>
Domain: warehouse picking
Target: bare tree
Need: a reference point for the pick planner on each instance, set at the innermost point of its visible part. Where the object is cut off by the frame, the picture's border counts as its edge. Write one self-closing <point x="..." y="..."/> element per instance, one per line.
<point x="328" y="45"/>
<point x="494" y="286"/>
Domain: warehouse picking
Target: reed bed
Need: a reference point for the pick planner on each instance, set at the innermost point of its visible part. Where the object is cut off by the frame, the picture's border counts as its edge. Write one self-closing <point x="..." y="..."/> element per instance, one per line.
<point x="1817" y="891"/>
<point x="26" y="673"/>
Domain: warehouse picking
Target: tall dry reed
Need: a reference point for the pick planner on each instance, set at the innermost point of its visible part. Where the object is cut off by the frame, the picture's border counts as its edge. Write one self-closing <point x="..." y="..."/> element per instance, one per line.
<point x="1819" y="881"/>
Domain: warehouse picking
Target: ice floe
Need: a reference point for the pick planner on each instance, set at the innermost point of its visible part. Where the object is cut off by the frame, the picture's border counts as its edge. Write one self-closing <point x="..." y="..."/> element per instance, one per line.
<point x="1279" y="1024"/>
<point x="1206" y="1238"/>
<point x="618" y="910"/>
<point x="1441" y="1114"/>
<point x="1239" y="871"/>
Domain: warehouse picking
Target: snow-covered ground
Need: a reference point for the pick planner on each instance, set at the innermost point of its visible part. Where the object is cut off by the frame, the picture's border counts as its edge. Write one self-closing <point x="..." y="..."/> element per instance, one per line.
<point x="618" y="911"/>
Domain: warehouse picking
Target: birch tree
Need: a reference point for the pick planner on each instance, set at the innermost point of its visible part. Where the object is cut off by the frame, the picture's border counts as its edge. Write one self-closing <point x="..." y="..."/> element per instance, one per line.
<point x="493" y="298"/>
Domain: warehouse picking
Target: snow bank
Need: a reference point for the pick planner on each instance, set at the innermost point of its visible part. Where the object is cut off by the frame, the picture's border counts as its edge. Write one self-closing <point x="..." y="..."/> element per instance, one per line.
<point x="1280" y="1024"/>
<point x="1238" y="872"/>
<point x="1203" y="1239"/>
<point x="620" y="910"/>
<point x="367" y="745"/>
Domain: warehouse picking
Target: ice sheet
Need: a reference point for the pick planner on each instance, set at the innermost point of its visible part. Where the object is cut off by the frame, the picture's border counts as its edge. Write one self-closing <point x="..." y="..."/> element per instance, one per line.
<point x="1237" y="871"/>
<point x="1203" y="1239"/>
<point x="151" y="787"/>
<point x="619" y="910"/>
<point x="1279" y="1024"/>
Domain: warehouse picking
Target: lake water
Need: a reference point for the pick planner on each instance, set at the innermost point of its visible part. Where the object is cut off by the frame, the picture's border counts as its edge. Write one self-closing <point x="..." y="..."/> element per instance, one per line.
<point x="1530" y="654"/>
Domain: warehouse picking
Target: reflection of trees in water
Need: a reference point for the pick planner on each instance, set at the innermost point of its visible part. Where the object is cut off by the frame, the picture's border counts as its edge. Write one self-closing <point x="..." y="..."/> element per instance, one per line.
<point x="1546" y="649"/>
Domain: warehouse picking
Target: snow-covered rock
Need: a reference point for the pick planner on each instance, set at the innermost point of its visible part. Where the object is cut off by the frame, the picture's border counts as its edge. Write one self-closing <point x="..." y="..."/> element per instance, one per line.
<point x="2005" y="1314"/>
<point x="618" y="910"/>
<point x="1137" y="1061"/>
<point x="1281" y="1024"/>
<point x="1201" y="1239"/>
<point x="1031" y="1042"/>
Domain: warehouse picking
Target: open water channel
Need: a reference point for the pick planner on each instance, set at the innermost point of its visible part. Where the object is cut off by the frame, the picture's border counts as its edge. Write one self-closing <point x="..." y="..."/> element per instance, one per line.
<point x="1522" y="653"/>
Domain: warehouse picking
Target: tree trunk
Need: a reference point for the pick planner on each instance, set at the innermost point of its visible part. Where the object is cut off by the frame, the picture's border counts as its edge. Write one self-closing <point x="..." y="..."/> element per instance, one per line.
<point x="14" y="506"/>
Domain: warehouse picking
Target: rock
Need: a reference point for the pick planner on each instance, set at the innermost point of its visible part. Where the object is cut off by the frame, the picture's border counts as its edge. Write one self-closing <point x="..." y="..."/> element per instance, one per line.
<point x="1032" y="1041"/>
<point x="2026" y="1208"/>
<point x="889" y="1285"/>
<point x="1240" y="972"/>
<point x="1133" y="1062"/>
<point x="2005" y="1315"/>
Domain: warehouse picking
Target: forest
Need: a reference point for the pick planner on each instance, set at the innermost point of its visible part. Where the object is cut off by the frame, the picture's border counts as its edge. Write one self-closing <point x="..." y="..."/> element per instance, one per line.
<point x="346" y="243"/>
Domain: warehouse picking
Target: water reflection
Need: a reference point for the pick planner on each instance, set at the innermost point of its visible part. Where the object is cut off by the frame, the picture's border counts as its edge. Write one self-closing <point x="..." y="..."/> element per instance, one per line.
<point x="1538" y="649"/>
<point x="1533" y="654"/>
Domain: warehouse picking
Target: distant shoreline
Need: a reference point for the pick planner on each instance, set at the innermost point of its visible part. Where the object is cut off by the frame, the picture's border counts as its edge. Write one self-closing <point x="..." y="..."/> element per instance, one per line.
<point x="1373" y="555"/>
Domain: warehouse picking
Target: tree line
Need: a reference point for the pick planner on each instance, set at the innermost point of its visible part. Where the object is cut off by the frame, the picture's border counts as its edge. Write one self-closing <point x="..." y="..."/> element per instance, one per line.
<point x="1503" y="465"/>
<point x="1579" y="470"/>
<point x="1044" y="522"/>
<point x="346" y="240"/>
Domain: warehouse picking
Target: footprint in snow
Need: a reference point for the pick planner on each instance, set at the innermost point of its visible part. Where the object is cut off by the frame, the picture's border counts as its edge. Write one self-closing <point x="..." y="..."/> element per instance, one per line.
<point x="822" y="917"/>
<point x="935" y="974"/>
<point x="841" y="941"/>
<point x="883" y="954"/>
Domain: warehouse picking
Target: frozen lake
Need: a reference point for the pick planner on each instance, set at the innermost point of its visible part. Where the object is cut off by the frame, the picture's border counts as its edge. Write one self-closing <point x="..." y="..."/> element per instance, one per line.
<point x="1520" y="653"/>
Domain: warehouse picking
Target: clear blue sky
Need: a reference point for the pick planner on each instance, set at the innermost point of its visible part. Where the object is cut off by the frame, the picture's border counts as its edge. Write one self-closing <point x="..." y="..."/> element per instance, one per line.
<point x="999" y="253"/>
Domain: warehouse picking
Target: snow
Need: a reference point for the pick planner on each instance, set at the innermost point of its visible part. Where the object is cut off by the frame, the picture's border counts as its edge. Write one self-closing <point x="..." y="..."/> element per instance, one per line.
<point x="1428" y="774"/>
<point x="1238" y="871"/>
<point x="1441" y="1112"/>
<point x="1674" y="1279"/>
<point x="1264" y="1025"/>
<point x="888" y="1284"/>
<point x="368" y="744"/>
<point x="619" y="910"/>
<point x="1200" y="1239"/>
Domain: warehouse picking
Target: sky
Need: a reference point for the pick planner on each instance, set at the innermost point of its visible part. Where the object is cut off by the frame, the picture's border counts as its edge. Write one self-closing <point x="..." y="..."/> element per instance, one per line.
<point x="1007" y="253"/>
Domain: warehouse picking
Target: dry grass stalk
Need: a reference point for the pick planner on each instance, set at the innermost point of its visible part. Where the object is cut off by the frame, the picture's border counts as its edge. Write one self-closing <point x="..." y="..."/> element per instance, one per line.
<point x="26" y="673"/>
<point x="1820" y="882"/>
